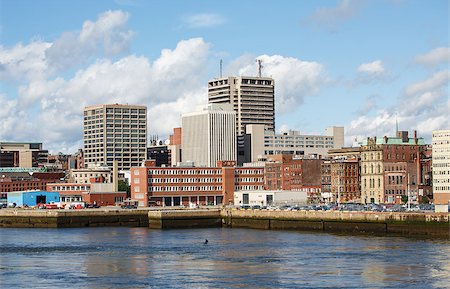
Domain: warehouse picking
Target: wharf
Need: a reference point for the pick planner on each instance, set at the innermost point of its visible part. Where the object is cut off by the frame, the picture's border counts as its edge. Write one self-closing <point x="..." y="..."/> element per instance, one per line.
<point x="398" y="223"/>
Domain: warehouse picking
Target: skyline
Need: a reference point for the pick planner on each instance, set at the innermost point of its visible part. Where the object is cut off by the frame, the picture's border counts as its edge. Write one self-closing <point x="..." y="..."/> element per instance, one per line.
<point x="334" y="63"/>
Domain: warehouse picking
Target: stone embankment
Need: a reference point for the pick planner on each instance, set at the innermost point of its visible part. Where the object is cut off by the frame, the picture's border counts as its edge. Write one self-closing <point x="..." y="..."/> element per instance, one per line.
<point x="414" y="224"/>
<point x="19" y="218"/>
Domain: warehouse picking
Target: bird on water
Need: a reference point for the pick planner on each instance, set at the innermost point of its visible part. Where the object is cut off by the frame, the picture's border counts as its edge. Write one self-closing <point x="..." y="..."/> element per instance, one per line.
<point x="206" y="241"/>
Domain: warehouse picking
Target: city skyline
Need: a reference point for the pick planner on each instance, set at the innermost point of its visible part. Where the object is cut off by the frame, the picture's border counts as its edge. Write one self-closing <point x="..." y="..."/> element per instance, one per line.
<point x="363" y="65"/>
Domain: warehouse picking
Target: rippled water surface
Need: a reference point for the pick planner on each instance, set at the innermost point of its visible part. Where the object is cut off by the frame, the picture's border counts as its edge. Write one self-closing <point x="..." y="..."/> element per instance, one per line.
<point x="233" y="258"/>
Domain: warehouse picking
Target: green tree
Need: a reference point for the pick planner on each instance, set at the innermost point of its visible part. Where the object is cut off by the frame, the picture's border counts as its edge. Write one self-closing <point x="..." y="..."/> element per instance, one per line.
<point x="425" y="200"/>
<point x="124" y="187"/>
<point x="404" y="199"/>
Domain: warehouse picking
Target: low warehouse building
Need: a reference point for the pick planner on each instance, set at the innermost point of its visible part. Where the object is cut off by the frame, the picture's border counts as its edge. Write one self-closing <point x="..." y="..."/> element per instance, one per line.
<point x="32" y="198"/>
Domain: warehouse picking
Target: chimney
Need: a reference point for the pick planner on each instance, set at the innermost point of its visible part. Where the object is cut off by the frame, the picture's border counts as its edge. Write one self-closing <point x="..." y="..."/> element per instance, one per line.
<point x="115" y="176"/>
<point x="415" y="137"/>
<point x="385" y="139"/>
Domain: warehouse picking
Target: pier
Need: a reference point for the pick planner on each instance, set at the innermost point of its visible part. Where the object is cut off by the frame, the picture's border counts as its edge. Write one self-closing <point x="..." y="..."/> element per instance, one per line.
<point x="398" y="223"/>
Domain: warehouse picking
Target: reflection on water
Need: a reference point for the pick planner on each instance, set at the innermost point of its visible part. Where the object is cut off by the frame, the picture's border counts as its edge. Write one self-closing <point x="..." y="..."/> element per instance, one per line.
<point x="233" y="258"/>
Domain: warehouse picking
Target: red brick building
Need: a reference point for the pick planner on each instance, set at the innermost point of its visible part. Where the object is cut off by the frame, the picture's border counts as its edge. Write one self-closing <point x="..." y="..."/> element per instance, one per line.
<point x="345" y="180"/>
<point x="174" y="186"/>
<point x="283" y="172"/>
<point x="15" y="182"/>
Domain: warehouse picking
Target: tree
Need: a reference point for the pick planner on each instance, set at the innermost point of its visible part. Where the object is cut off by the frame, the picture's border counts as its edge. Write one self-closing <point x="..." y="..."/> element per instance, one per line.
<point x="124" y="187"/>
<point x="425" y="200"/>
<point x="404" y="199"/>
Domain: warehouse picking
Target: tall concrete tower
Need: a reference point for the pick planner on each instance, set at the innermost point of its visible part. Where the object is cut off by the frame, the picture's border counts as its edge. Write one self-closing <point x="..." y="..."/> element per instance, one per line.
<point x="252" y="98"/>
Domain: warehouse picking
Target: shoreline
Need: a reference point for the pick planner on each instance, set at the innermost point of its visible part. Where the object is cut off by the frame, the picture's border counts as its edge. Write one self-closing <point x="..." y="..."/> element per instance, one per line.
<point x="434" y="225"/>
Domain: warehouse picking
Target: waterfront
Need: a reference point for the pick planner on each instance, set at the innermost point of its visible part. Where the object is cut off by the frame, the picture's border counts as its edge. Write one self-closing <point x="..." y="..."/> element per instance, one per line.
<point x="233" y="258"/>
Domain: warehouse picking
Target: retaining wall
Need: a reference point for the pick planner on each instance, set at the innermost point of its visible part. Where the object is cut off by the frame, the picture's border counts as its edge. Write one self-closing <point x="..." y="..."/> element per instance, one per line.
<point x="19" y="218"/>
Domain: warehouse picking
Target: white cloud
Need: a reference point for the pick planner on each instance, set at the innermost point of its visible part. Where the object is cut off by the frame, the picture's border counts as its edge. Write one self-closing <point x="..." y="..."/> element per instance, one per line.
<point x="169" y="86"/>
<point x="440" y="55"/>
<point x="38" y="60"/>
<point x="24" y="61"/>
<point x="294" y="79"/>
<point x="423" y="106"/>
<point x="106" y="36"/>
<point x="437" y="80"/>
<point x="331" y="16"/>
<point x="204" y="20"/>
<point x="374" y="67"/>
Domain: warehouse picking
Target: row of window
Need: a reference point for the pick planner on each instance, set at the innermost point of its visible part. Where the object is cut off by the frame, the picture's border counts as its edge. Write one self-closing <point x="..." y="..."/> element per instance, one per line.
<point x="184" y="172"/>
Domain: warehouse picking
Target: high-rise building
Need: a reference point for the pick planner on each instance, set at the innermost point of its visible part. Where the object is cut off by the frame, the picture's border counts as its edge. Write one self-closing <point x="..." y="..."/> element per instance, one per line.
<point x="209" y="135"/>
<point x="441" y="169"/>
<point x="253" y="99"/>
<point x="115" y="132"/>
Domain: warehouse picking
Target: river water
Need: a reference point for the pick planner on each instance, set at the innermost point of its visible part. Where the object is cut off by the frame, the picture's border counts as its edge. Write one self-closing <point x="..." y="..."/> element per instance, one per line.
<point x="233" y="258"/>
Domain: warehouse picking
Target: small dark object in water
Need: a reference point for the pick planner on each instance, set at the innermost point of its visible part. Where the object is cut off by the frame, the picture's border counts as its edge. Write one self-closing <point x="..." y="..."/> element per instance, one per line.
<point x="206" y="241"/>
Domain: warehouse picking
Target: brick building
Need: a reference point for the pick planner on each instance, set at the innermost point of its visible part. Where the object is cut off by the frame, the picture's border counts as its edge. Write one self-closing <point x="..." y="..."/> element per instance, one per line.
<point x="174" y="186"/>
<point x="284" y="172"/>
<point x="390" y="168"/>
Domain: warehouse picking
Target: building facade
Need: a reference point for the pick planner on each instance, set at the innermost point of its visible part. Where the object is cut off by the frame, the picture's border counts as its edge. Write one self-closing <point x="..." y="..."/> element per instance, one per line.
<point x="263" y="142"/>
<point x="288" y="173"/>
<point x="441" y="169"/>
<point x="390" y="169"/>
<point x="253" y="99"/>
<point x="209" y="135"/>
<point x="24" y="155"/>
<point x="115" y="132"/>
<point x="174" y="186"/>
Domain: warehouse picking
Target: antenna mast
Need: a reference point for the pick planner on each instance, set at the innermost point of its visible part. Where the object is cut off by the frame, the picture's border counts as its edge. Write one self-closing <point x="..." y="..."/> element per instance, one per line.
<point x="220" y="68"/>
<point x="259" y="67"/>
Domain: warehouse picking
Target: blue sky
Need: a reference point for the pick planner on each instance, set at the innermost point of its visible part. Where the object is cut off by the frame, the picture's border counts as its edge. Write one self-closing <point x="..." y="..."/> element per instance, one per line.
<point x="360" y="64"/>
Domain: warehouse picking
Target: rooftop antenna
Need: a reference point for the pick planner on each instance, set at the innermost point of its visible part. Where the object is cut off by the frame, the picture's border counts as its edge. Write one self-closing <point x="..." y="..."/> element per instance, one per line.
<point x="259" y="67"/>
<point x="220" y="68"/>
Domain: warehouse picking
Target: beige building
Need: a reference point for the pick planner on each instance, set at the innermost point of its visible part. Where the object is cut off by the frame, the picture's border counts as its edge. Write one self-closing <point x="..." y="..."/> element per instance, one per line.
<point x="265" y="142"/>
<point x="84" y="176"/>
<point x="253" y="99"/>
<point x="209" y="135"/>
<point x="24" y="155"/>
<point x="441" y="169"/>
<point x="115" y="132"/>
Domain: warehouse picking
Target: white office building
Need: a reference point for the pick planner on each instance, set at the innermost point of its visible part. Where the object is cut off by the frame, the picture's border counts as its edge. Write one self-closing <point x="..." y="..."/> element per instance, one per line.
<point x="209" y="135"/>
<point x="266" y="142"/>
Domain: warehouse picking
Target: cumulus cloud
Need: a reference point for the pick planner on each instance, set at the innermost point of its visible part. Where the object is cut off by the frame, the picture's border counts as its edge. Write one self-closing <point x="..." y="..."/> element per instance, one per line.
<point x="204" y="20"/>
<point x="440" y="55"/>
<point x="169" y="86"/>
<point x="24" y="61"/>
<point x="107" y="36"/>
<point x="374" y="67"/>
<point x="424" y="106"/>
<point x="294" y="79"/>
<point x="330" y="17"/>
<point x="38" y="60"/>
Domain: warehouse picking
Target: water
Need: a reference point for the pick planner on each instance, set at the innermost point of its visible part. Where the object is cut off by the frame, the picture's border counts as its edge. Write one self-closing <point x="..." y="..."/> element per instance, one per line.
<point x="233" y="258"/>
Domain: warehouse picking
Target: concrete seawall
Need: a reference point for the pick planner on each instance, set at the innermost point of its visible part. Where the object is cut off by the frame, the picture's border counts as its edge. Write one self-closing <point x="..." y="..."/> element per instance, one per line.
<point x="414" y="224"/>
<point x="184" y="219"/>
<point x="430" y="224"/>
<point x="72" y="218"/>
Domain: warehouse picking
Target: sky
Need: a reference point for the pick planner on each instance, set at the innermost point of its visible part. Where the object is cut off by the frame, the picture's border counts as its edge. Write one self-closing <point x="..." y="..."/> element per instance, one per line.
<point x="362" y="64"/>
